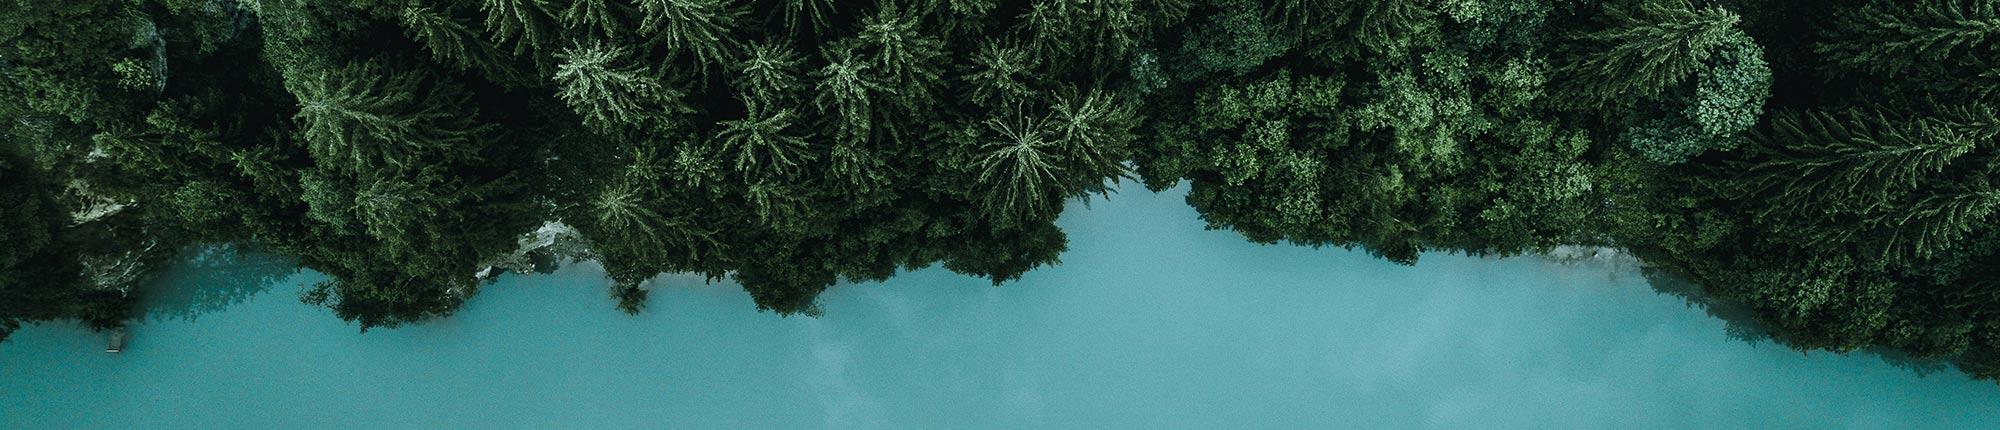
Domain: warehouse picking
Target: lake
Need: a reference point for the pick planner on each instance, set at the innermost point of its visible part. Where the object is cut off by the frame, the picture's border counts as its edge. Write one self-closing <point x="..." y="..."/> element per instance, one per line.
<point x="1149" y="322"/>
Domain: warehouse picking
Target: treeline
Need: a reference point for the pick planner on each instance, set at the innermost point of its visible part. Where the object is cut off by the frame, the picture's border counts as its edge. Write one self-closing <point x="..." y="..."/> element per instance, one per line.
<point x="1830" y="164"/>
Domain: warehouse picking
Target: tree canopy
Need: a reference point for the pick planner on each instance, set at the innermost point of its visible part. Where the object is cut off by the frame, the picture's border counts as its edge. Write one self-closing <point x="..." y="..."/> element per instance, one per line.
<point x="1828" y="164"/>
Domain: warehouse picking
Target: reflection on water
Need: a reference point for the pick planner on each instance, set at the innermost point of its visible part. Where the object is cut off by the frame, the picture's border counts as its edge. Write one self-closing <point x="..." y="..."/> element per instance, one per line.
<point x="212" y="278"/>
<point x="1150" y="322"/>
<point x="1740" y="322"/>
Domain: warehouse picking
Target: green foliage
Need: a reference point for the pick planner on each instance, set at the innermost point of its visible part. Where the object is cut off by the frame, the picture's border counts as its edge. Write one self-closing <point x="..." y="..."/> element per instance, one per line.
<point x="1727" y="100"/>
<point x="1668" y="141"/>
<point x="43" y="276"/>
<point x="1729" y="97"/>
<point x="906" y="59"/>
<point x="366" y="118"/>
<point x="610" y="94"/>
<point x="451" y="42"/>
<point x="1827" y="165"/>
<point x="806" y="15"/>
<point x="1230" y="43"/>
<point x="29" y="226"/>
<point x="763" y="145"/>
<point x="1848" y="161"/>
<point x="1861" y="216"/>
<point x="697" y="28"/>
<point x="601" y="18"/>
<point x="1647" y="49"/>
<point x="1890" y="38"/>
<point x="1698" y="82"/>
<point x="1371" y="144"/>
<point x="1000" y="76"/>
<point x="846" y="92"/>
<point x="770" y="76"/>
<point x="524" y="24"/>
<point x="1096" y="34"/>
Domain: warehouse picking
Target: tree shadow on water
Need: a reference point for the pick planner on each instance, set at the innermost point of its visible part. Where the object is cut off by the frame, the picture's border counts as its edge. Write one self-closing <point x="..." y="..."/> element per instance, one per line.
<point x="1740" y="321"/>
<point x="211" y="278"/>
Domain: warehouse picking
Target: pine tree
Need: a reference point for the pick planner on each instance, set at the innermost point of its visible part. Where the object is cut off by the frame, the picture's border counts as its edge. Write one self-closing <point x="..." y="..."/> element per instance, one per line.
<point x="1020" y="175"/>
<point x="524" y="24"/>
<point x="624" y="207"/>
<point x="806" y="15"/>
<point x="999" y="76"/>
<point x="1645" y="51"/>
<point x="452" y="43"/>
<point x="614" y="97"/>
<point x="1095" y="132"/>
<point x="907" y="57"/>
<point x="1931" y="224"/>
<point x="764" y="144"/>
<point x="1889" y="38"/>
<point x="860" y="171"/>
<point x="598" y="18"/>
<point x="769" y="76"/>
<point x="363" y="117"/>
<point x="702" y="29"/>
<point x="846" y="94"/>
<point x="1847" y="161"/>
<point x="778" y="206"/>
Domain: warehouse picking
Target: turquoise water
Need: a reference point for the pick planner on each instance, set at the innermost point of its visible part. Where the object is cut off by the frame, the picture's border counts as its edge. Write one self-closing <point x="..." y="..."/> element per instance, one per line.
<point x="1150" y="322"/>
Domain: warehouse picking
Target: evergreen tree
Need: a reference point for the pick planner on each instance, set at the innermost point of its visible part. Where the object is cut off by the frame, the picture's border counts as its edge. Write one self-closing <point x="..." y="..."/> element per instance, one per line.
<point x="1826" y="164"/>
<point x="1646" y="49"/>
<point x="701" y="29"/>
<point x="1890" y="38"/>
<point x="526" y="25"/>
<point x="452" y="42"/>
<point x="364" y="118"/>
<point x="612" y="95"/>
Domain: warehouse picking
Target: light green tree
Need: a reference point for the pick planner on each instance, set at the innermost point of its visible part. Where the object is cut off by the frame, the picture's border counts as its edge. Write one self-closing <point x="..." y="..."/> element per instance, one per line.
<point x="614" y="96"/>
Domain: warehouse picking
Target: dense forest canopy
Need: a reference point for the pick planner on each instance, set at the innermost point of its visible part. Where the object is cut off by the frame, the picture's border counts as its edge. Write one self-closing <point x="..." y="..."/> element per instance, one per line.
<point x="1829" y="164"/>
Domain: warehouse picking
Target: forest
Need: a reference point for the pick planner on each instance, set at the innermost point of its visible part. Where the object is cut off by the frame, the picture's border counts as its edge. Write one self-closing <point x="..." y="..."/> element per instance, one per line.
<point x="1832" y="165"/>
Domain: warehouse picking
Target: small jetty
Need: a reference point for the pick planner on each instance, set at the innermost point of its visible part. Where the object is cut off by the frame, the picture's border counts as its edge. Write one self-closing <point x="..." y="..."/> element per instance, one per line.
<point x="117" y="341"/>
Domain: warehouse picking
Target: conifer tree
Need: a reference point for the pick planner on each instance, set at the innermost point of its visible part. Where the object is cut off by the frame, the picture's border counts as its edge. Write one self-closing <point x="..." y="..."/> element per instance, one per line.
<point x="599" y="18"/>
<point x="526" y="25"/>
<point x="702" y="29"/>
<point x="769" y="76"/>
<point x="1019" y="168"/>
<point x="1932" y="224"/>
<point x="1847" y="161"/>
<point x="846" y="92"/>
<point x="999" y="76"/>
<point x="905" y="56"/>
<point x="1889" y="38"/>
<point x="613" y="95"/>
<point x="364" y="118"/>
<point x="1647" y="49"/>
<point x="453" y="43"/>
<point x="764" y="144"/>
<point x="806" y="15"/>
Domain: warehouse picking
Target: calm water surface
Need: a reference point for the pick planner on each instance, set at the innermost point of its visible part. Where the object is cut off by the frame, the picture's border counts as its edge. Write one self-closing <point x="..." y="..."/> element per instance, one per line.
<point x="1150" y="322"/>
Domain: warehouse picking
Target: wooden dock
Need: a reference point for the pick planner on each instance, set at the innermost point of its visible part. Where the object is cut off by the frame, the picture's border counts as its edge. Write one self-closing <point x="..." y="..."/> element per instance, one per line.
<point x="117" y="341"/>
